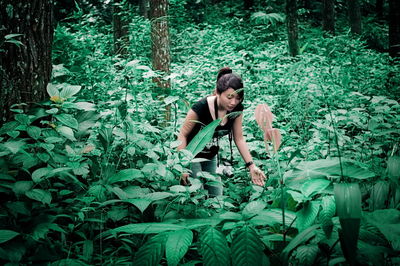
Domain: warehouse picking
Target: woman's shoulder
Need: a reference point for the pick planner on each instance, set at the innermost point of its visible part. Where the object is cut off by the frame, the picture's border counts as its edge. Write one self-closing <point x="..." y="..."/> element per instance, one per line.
<point x="200" y="106"/>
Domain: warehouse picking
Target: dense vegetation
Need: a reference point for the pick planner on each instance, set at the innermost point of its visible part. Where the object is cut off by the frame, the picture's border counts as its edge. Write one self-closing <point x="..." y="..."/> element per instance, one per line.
<point x="91" y="175"/>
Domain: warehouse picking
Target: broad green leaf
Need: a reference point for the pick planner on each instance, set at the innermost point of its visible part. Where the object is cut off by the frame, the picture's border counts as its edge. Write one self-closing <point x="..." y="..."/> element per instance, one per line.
<point x="314" y="186"/>
<point x="39" y="173"/>
<point x="23" y="119"/>
<point x="272" y="217"/>
<point x="52" y="90"/>
<point x="301" y="238"/>
<point x="200" y="222"/>
<point x="306" y="216"/>
<point x="152" y="251"/>
<point x="39" y="195"/>
<point x="177" y="245"/>
<point x="306" y="254"/>
<point x="8" y="127"/>
<point x="33" y="131"/>
<point x="388" y="223"/>
<point x="205" y="135"/>
<point x="21" y="187"/>
<point x="297" y="196"/>
<point x="247" y="248"/>
<point x="146" y="228"/>
<point x="87" y="249"/>
<point x="253" y="208"/>
<point x="348" y="200"/>
<point x="379" y="195"/>
<point x="67" y="120"/>
<point x="214" y="247"/>
<point x="6" y="235"/>
<point x="231" y="216"/>
<point x="66" y="132"/>
<point x="141" y="204"/>
<point x="158" y="195"/>
<point x="125" y="175"/>
<point x="14" y="146"/>
<point x="86" y="106"/>
<point x="69" y="91"/>
<point x="328" y="210"/>
<point x="393" y="166"/>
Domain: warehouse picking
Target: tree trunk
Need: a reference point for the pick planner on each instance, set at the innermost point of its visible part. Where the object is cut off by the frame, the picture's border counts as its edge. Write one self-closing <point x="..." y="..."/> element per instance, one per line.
<point x="26" y="68"/>
<point x="120" y="27"/>
<point x="328" y="16"/>
<point x="292" y="28"/>
<point x="161" y="58"/>
<point x="379" y="8"/>
<point x="143" y="8"/>
<point x="394" y="28"/>
<point x="354" y="12"/>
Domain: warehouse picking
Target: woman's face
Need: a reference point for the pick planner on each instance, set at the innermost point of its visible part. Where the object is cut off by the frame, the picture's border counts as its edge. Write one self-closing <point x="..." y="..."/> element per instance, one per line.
<point x="228" y="99"/>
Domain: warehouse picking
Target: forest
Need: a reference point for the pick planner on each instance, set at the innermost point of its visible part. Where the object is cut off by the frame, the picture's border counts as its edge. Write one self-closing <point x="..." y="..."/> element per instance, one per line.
<point x="93" y="96"/>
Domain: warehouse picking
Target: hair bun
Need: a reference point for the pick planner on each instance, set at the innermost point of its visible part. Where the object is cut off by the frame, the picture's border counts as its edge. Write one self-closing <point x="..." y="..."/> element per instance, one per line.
<point x="223" y="71"/>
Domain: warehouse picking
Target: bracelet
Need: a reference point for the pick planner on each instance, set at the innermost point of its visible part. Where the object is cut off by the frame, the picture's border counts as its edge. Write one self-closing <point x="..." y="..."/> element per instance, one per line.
<point x="248" y="164"/>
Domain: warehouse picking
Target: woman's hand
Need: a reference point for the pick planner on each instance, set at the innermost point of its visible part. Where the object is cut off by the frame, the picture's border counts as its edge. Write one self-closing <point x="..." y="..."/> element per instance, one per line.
<point x="257" y="176"/>
<point x="185" y="179"/>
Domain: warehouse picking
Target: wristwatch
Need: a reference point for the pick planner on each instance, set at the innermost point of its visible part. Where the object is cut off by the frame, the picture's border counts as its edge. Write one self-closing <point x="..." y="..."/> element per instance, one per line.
<point x="248" y="164"/>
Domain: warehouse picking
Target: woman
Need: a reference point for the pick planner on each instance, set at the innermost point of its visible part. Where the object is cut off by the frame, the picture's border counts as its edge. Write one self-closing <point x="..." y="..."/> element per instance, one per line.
<point x="228" y="98"/>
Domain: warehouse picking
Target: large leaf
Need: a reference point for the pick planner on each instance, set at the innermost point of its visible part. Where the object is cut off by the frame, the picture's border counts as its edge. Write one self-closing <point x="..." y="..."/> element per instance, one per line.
<point x="253" y="208"/>
<point x="125" y="175"/>
<point x="177" y="245"/>
<point x="327" y="212"/>
<point x="141" y="204"/>
<point x="301" y="238"/>
<point x="388" y="223"/>
<point x="247" y="248"/>
<point x="314" y="186"/>
<point x="272" y="217"/>
<point x="306" y="254"/>
<point x="39" y="195"/>
<point x="205" y="135"/>
<point x="6" y="235"/>
<point x="15" y="146"/>
<point x="69" y="91"/>
<point x="214" y="248"/>
<point x="152" y="251"/>
<point x="306" y="216"/>
<point x="66" y="132"/>
<point x="146" y="228"/>
<point x="379" y="195"/>
<point x="67" y="120"/>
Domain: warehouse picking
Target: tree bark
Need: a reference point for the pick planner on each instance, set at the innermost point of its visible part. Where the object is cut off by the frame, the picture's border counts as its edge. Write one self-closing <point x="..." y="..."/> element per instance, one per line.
<point x="161" y="58"/>
<point x="292" y="27"/>
<point x="328" y="16"/>
<point x="354" y="13"/>
<point x="120" y="27"/>
<point x="25" y="69"/>
<point x="143" y="8"/>
<point x="394" y="28"/>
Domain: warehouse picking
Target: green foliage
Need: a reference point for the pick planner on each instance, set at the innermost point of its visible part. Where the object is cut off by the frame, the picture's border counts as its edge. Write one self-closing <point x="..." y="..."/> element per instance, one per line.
<point x="91" y="175"/>
<point x="214" y="247"/>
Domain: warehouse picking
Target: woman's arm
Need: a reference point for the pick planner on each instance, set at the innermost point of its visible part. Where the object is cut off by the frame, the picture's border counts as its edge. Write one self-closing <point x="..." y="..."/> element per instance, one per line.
<point x="186" y="128"/>
<point x="257" y="176"/>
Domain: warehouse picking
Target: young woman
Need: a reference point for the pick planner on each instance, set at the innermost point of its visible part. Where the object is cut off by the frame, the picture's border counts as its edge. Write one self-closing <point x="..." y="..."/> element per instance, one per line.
<point x="228" y="98"/>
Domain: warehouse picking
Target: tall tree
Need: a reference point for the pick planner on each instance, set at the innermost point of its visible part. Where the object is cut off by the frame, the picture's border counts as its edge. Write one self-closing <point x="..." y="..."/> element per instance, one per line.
<point x="328" y="16"/>
<point x="394" y="28"/>
<point x="25" y="68"/>
<point x="143" y="8"/>
<point x="161" y="58"/>
<point x="292" y="26"/>
<point x="354" y="14"/>
<point x="121" y="27"/>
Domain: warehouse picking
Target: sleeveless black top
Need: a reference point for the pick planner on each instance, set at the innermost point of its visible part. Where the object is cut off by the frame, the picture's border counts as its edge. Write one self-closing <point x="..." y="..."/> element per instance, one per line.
<point x="202" y="110"/>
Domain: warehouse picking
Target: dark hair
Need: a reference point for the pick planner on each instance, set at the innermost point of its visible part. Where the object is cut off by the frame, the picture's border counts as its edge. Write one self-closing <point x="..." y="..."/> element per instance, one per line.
<point x="227" y="79"/>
